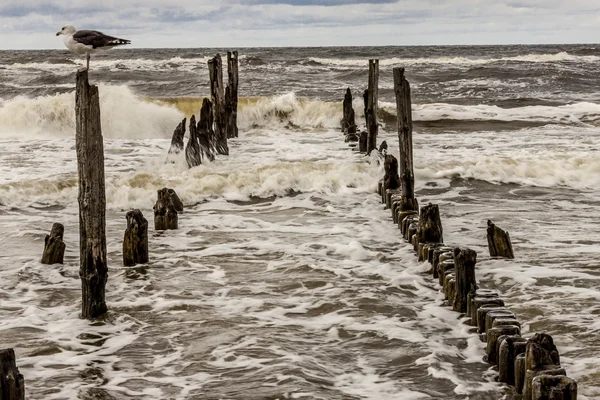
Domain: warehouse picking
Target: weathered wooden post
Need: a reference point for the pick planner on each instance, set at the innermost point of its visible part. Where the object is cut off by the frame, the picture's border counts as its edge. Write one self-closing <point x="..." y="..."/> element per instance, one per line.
<point x="12" y="384"/>
<point x="231" y="96"/>
<point x="348" y="122"/>
<point x="499" y="242"/>
<point x="193" y="154"/>
<point x="371" y="115"/>
<point x="549" y="387"/>
<point x="177" y="203"/>
<point x="177" y="139"/>
<point x="541" y="358"/>
<point x="93" y="269"/>
<point x="405" y="128"/>
<point x="430" y="225"/>
<point x="217" y="93"/>
<point x="391" y="180"/>
<point x="165" y="214"/>
<point x="464" y="263"/>
<point x="54" y="247"/>
<point x="135" y="241"/>
<point x="206" y="134"/>
<point x="510" y="348"/>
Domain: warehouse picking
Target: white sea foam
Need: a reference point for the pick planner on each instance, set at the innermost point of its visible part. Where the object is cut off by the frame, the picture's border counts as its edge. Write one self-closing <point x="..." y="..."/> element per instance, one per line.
<point x="124" y="115"/>
<point x="466" y="61"/>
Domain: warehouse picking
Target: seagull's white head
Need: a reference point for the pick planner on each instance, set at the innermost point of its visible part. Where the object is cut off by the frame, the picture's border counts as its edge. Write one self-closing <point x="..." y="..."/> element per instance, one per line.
<point x="66" y="30"/>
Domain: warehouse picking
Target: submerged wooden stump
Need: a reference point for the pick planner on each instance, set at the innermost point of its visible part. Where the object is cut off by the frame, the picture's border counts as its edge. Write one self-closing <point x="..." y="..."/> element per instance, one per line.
<point x="231" y="95"/>
<point x="93" y="269"/>
<point x="499" y="242"/>
<point x="464" y="260"/>
<point x="430" y="225"/>
<point x="54" y="247"/>
<point x="135" y="241"/>
<point x="165" y="214"/>
<point x="217" y="91"/>
<point x="177" y="139"/>
<point x="348" y="122"/>
<point x="548" y="387"/>
<point x="12" y="384"/>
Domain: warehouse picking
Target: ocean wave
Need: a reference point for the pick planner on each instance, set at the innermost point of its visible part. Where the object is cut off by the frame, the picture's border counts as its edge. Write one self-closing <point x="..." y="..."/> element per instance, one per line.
<point x="579" y="170"/>
<point x="67" y="66"/>
<point x="397" y="61"/>
<point x="581" y="112"/>
<point x="128" y="115"/>
<point x="124" y="115"/>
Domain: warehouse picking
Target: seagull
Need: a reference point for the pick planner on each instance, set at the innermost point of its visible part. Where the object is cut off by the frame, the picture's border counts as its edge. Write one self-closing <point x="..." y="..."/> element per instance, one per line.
<point x="88" y="42"/>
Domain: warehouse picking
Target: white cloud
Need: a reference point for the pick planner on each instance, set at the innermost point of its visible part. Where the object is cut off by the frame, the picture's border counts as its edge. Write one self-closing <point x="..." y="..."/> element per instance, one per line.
<point x="203" y="23"/>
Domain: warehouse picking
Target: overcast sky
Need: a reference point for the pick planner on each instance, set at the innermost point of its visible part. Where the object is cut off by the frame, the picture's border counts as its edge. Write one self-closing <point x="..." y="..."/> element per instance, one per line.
<point x="30" y="24"/>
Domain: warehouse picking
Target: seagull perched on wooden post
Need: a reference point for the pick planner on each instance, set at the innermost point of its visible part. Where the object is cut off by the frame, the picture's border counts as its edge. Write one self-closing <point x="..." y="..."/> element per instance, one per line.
<point x="88" y="42"/>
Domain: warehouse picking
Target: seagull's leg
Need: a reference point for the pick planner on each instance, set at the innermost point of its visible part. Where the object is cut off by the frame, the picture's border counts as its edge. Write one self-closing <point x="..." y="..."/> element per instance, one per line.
<point x="87" y="64"/>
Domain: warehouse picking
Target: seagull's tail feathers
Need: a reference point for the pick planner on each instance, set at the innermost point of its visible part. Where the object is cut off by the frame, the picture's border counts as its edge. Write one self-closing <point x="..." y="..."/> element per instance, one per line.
<point x="118" y="42"/>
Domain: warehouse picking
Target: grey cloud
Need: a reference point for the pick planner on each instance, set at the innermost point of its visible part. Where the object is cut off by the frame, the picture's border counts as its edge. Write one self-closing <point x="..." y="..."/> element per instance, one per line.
<point x="328" y="3"/>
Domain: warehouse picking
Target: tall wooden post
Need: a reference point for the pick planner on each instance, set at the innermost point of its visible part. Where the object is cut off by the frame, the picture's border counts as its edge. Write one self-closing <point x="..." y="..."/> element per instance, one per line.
<point x="12" y="384"/>
<point x="217" y="93"/>
<point x="371" y="115"/>
<point x="232" y="95"/>
<point x="93" y="269"/>
<point x="405" y="127"/>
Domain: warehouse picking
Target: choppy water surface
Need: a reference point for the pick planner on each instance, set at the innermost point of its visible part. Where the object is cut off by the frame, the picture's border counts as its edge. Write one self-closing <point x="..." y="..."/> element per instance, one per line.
<point x="286" y="278"/>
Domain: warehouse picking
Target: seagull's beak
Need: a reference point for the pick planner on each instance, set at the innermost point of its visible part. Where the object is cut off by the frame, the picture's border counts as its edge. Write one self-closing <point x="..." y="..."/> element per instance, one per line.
<point x="58" y="33"/>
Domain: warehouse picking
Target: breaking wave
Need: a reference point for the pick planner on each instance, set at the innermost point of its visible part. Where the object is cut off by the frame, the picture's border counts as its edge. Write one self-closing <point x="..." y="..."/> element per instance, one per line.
<point x="127" y="115"/>
<point x="397" y="61"/>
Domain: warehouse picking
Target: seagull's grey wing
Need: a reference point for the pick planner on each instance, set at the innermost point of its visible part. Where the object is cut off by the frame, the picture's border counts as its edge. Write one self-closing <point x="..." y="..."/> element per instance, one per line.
<point x="97" y="39"/>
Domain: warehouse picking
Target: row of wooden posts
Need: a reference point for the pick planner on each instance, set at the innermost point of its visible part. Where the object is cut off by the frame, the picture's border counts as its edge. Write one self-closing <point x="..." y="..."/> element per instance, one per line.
<point x="217" y="119"/>
<point x="218" y="122"/>
<point x="531" y="365"/>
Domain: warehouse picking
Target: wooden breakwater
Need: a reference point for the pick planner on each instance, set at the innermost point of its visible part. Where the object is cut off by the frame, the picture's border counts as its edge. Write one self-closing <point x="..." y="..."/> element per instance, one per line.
<point x="530" y="365"/>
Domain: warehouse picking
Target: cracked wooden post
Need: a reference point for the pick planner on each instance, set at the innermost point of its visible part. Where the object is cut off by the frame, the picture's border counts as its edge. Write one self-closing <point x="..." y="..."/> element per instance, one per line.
<point x="165" y="214"/>
<point x="93" y="269"/>
<point x="135" y="241"/>
<point x="231" y="96"/>
<point x="464" y="263"/>
<point x="348" y="123"/>
<point x="193" y="154"/>
<point x="371" y="111"/>
<point x="206" y="133"/>
<point x="217" y="93"/>
<point x="499" y="242"/>
<point x="12" y="384"/>
<point x="405" y="128"/>
<point x="177" y="139"/>
<point x="54" y="247"/>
